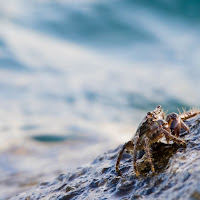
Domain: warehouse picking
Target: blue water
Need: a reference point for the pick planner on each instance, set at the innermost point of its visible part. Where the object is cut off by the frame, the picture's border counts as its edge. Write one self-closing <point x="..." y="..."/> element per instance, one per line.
<point x="77" y="77"/>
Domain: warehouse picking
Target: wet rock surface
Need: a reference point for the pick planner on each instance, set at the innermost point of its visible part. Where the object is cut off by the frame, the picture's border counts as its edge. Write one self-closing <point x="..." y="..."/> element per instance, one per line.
<point x="177" y="175"/>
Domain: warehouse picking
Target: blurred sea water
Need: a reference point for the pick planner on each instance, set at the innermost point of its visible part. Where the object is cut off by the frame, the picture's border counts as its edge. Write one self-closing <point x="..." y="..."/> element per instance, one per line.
<point x="76" y="78"/>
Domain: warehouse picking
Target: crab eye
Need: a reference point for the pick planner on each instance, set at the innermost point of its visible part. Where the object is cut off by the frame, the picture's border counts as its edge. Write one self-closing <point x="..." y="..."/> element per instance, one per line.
<point x="159" y="106"/>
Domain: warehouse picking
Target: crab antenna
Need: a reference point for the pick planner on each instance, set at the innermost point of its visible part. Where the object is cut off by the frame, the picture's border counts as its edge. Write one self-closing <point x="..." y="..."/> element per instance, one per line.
<point x="179" y="111"/>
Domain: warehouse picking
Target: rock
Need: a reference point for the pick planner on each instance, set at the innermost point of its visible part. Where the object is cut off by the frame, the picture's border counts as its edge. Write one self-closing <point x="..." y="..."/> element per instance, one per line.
<point x="177" y="175"/>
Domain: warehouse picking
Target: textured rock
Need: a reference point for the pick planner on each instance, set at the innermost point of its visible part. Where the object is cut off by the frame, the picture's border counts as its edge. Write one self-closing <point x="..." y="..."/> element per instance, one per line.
<point x="177" y="175"/>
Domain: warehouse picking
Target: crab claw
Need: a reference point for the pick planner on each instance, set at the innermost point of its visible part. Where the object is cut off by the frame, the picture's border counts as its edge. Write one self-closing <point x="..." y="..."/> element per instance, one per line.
<point x="174" y="123"/>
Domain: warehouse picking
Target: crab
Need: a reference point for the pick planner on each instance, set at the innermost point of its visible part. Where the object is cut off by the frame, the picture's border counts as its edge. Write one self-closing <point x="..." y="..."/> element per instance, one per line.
<point x="152" y="128"/>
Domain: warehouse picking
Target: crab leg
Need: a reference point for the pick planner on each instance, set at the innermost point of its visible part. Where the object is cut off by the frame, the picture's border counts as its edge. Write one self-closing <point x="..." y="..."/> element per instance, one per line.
<point x="171" y="137"/>
<point x="191" y="113"/>
<point x="136" y="141"/>
<point x="184" y="126"/>
<point x="149" y="154"/>
<point x="128" y="145"/>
